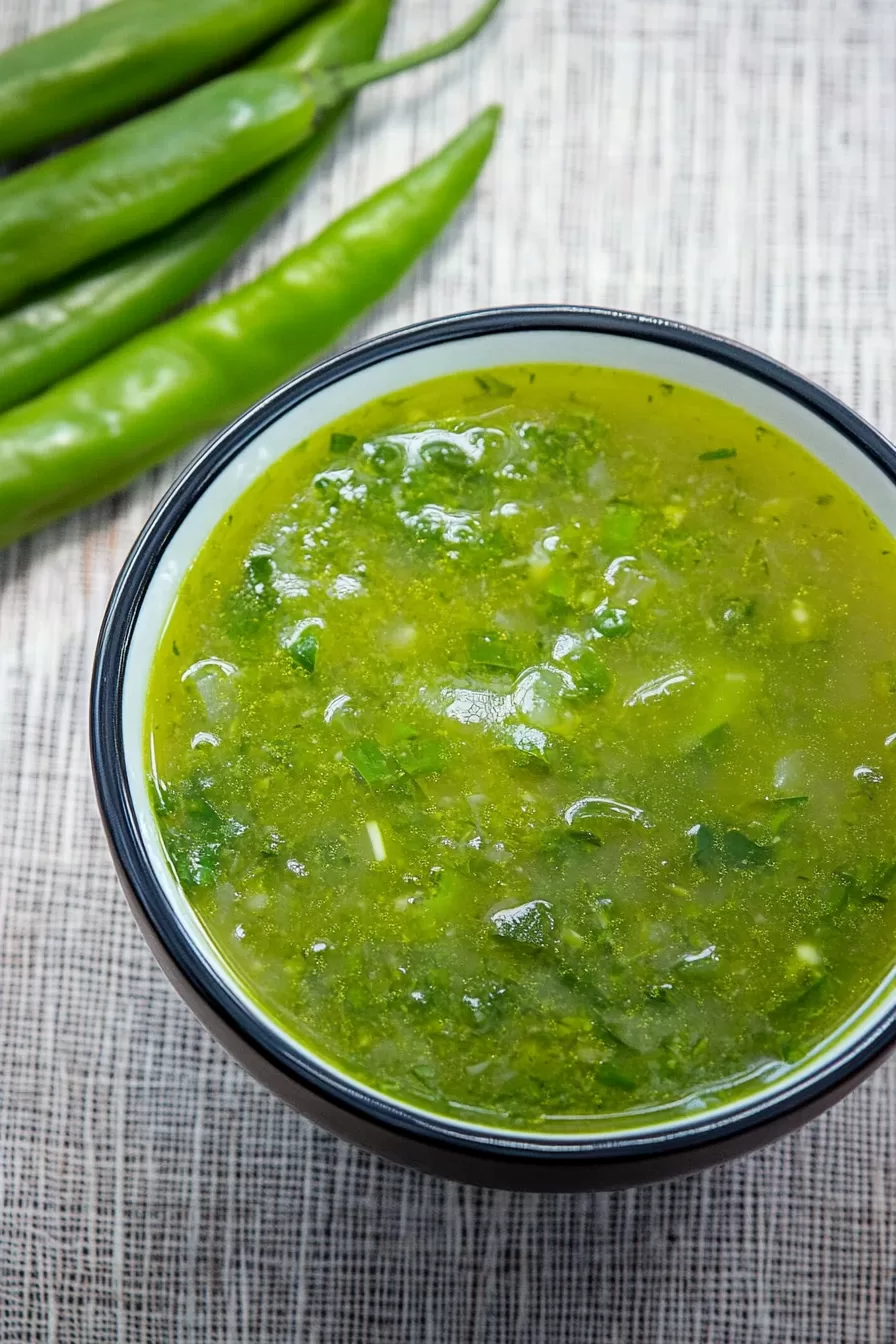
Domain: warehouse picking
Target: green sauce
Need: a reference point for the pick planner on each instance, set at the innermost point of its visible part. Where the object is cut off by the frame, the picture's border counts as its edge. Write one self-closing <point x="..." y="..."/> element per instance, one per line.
<point x="521" y="741"/>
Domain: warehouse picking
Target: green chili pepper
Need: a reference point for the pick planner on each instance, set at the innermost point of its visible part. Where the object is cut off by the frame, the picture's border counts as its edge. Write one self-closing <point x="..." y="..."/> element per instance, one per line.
<point x="122" y="57"/>
<point x="159" y="167"/>
<point x="122" y="294"/>
<point x="90" y="434"/>
<point x="347" y="34"/>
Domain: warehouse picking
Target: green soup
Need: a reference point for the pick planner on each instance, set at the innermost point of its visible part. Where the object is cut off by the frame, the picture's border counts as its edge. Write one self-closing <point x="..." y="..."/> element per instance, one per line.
<point x="522" y="743"/>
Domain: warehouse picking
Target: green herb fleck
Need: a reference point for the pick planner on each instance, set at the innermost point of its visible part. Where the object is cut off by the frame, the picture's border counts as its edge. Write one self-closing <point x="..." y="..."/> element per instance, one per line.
<point x="742" y="852"/>
<point x="529" y="925"/>
<point x="377" y="769"/>
<point x="619" y="528"/>
<point x="717" y="454"/>
<point x="304" y="649"/>
<point x="494" y="387"/>
<point x="421" y="756"/>
<point x="342" y="443"/>
<point x="492" y="648"/>
<point x="704" y="854"/>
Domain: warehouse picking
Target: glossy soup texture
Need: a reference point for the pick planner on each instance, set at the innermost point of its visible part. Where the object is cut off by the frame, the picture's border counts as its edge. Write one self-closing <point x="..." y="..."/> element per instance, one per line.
<point x="522" y="742"/>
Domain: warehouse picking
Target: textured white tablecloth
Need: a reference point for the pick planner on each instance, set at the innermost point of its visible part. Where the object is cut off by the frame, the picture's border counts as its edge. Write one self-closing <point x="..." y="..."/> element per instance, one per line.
<point x="728" y="162"/>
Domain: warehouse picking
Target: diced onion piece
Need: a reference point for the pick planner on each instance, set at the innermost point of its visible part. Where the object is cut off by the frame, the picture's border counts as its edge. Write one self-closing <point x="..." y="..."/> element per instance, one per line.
<point x="376" y="841"/>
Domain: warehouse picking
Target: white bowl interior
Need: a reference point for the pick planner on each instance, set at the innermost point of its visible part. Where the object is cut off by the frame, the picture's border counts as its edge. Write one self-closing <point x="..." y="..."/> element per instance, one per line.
<point x="766" y="403"/>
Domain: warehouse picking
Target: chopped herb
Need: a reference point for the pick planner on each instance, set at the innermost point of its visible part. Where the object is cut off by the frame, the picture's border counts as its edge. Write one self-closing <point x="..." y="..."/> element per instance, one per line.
<point x="717" y="454"/>
<point x="704" y="853"/>
<point x="529" y="925"/>
<point x="342" y="443"/>
<point x="881" y="886"/>
<point x="494" y="387"/>
<point x="492" y="648"/>
<point x="532" y="742"/>
<point x="619" y="528"/>
<point x="734" y="850"/>
<point x="785" y="808"/>
<point x="611" y="1075"/>
<point x="590" y="673"/>
<point x="303" y="644"/>
<point x="260" y="571"/>
<point x="742" y="852"/>
<point x="871" y="882"/>
<point x="376" y="768"/>
<point x="304" y="649"/>
<point x="421" y="756"/>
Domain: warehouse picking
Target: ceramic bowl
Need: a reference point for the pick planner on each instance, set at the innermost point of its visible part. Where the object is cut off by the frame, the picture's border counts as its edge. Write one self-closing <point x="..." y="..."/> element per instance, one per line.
<point x="136" y="616"/>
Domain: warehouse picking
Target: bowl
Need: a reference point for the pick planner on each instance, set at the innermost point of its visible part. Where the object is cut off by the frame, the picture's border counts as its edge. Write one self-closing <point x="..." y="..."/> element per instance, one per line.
<point x="136" y="615"/>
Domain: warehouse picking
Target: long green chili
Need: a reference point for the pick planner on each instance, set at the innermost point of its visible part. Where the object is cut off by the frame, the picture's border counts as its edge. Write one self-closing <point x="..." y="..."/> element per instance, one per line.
<point x="90" y="434"/>
<point x="163" y="165"/>
<point x="124" y="293"/>
<point x="123" y="57"/>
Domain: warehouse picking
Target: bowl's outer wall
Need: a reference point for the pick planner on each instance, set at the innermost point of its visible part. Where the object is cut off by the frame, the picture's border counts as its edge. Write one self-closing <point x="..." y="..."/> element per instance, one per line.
<point x="460" y="1158"/>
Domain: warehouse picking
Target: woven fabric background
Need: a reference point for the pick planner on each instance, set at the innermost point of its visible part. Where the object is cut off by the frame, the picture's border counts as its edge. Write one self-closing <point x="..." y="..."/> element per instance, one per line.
<point x="728" y="162"/>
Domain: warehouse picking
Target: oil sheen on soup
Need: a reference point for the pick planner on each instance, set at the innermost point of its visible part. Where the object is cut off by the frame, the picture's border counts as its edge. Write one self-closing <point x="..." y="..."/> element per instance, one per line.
<point x="524" y="743"/>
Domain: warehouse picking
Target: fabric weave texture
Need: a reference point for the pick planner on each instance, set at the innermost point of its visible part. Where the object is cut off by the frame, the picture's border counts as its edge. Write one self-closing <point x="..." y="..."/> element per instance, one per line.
<point x="727" y="162"/>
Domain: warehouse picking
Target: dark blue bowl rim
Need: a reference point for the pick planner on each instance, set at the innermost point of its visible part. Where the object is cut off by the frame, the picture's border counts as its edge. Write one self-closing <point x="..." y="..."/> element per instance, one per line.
<point x="117" y="808"/>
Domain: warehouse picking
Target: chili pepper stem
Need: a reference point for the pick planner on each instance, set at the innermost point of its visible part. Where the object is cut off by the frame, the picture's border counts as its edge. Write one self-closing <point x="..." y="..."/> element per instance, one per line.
<point x="354" y="77"/>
